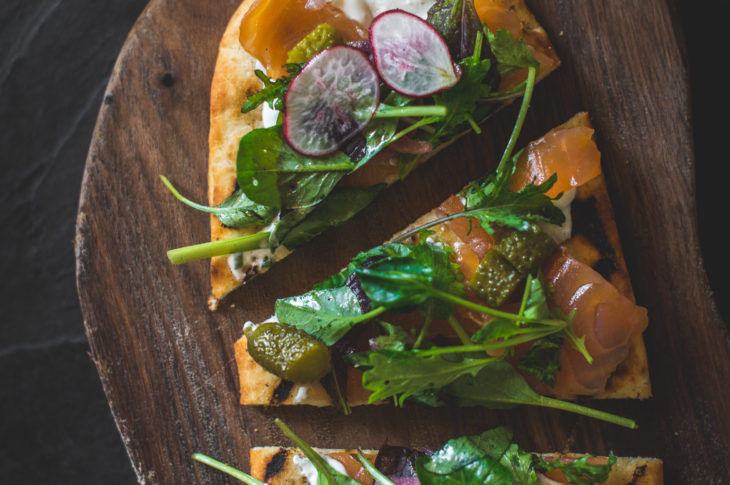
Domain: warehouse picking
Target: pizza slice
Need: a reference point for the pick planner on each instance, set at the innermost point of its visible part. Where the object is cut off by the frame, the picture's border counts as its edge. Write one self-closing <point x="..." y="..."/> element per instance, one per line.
<point x="273" y="183"/>
<point x="517" y="280"/>
<point x="487" y="457"/>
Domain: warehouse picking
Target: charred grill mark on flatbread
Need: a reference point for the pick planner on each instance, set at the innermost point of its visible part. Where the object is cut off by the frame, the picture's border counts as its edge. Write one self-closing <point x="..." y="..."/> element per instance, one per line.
<point x="282" y="391"/>
<point x="639" y="472"/>
<point x="276" y="464"/>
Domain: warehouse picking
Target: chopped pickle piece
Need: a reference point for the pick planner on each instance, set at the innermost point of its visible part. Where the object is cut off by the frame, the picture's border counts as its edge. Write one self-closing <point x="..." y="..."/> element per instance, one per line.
<point x="289" y="353"/>
<point x="322" y="37"/>
<point x="517" y="254"/>
<point x="495" y="279"/>
<point x="526" y="250"/>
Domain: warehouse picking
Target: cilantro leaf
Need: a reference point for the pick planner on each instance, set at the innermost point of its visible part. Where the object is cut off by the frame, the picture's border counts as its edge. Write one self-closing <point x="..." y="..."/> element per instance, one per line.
<point x="512" y="55"/>
<point x="492" y="201"/>
<point x="273" y="91"/>
<point x="400" y="374"/>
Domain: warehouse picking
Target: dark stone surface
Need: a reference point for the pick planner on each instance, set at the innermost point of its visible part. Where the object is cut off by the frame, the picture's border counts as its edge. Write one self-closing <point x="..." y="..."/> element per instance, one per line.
<point x="55" y="60"/>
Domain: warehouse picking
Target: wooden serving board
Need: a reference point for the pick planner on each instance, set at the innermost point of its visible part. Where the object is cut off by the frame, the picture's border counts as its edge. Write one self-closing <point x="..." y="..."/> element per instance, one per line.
<point x="166" y="361"/>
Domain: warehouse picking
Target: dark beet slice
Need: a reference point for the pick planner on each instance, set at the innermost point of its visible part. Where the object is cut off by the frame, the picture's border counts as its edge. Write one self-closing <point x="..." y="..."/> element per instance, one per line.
<point x="330" y="100"/>
<point x="411" y="56"/>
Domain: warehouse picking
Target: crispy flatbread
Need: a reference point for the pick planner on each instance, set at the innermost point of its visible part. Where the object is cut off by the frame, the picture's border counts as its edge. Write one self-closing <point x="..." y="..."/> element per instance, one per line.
<point x="233" y="81"/>
<point x="275" y="465"/>
<point x="595" y="242"/>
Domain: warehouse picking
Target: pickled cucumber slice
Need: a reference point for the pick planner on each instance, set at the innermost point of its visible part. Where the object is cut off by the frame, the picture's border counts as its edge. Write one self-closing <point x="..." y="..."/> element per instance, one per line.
<point x="526" y="250"/>
<point x="322" y="37"/>
<point x="289" y="353"/>
<point x="495" y="279"/>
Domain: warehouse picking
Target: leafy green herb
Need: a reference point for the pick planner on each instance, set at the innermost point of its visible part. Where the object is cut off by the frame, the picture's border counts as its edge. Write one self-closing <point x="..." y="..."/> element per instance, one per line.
<point x="271" y="173"/>
<point x="462" y="101"/>
<point x="411" y="279"/>
<point x="273" y="91"/>
<point x="499" y="385"/>
<point x="512" y="55"/>
<point x="236" y="210"/>
<point x="326" y="314"/>
<point x="339" y="206"/>
<point x="579" y="471"/>
<point x="543" y="358"/>
<point x="400" y="374"/>
<point x="458" y="23"/>
<point x="484" y="458"/>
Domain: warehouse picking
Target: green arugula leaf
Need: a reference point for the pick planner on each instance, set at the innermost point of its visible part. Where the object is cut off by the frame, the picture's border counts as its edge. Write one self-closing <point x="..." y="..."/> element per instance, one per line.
<point x="273" y="91"/>
<point x="339" y="206"/>
<point x="498" y="385"/>
<point x="410" y="279"/>
<point x="395" y="339"/>
<point x="325" y="314"/>
<point x="385" y="250"/>
<point x="543" y="358"/>
<point x="580" y="472"/>
<point x="272" y="174"/>
<point x="512" y="55"/>
<point x="399" y="374"/>
<point x="458" y="23"/>
<point x="236" y="210"/>
<point x="485" y="458"/>
<point x="492" y="202"/>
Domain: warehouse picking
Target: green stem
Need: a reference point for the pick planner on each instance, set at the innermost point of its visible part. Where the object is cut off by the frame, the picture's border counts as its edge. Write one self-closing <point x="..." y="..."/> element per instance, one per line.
<point x="185" y="200"/>
<point x="414" y="126"/>
<point x="422" y="333"/>
<point x="387" y="111"/>
<point x="245" y="478"/>
<point x="549" y="402"/>
<point x="531" y="73"/>
<point x="494" y="312"/>
<point x="370" y="468"/>
<point x="456" y="327"/>
<point x="474" y="125"/>
<point x="218" y="248"/>
<point x="501" y="344"/>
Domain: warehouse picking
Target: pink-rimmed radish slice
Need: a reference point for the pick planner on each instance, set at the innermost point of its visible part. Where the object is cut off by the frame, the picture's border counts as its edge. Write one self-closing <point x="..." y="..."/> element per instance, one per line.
<point x="411" y="56"/>
<point x="334" y="96"/>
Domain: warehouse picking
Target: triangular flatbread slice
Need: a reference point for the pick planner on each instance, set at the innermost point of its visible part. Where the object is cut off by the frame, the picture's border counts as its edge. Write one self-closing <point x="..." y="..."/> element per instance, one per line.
<point x="234" y="80"/>
<point x="594" y="241"/>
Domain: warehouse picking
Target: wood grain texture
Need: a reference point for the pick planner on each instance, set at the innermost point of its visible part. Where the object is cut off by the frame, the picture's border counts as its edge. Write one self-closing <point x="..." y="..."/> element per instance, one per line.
<point x="167" y="363"/>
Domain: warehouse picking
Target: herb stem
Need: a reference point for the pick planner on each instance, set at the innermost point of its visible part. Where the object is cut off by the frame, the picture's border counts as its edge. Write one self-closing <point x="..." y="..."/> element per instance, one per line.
<point x="370" y="468"/>
<point x="549" y="402"/>
<point x="235" y="473"/>
<point x="529" y="87"/>
<point x="456" y="326"/>
<point x="218" y="248"/>
<point x="494" y="312"/>
<point x="387" y="111"/>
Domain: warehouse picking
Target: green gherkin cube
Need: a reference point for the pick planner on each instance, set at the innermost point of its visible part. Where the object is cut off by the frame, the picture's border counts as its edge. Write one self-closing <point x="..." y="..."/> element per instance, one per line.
<point x="526" y="250"/>
<point x="322" y="37"/>
<point x="495" y="279"/>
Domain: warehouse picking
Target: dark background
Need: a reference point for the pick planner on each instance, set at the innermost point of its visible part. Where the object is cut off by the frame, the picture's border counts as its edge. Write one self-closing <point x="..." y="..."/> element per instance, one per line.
<point x="55" y="59"/>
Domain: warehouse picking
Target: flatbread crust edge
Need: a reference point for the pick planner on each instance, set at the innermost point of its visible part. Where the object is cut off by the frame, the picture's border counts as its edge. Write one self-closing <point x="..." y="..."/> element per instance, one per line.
<point x="275" y="465"/>
<point x="233" y="80"/>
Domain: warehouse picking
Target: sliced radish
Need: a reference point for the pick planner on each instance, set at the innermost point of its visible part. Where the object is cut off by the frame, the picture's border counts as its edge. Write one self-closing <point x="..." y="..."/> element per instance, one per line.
<point x="330" y="100"/>
<point x="411" y="56"/>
